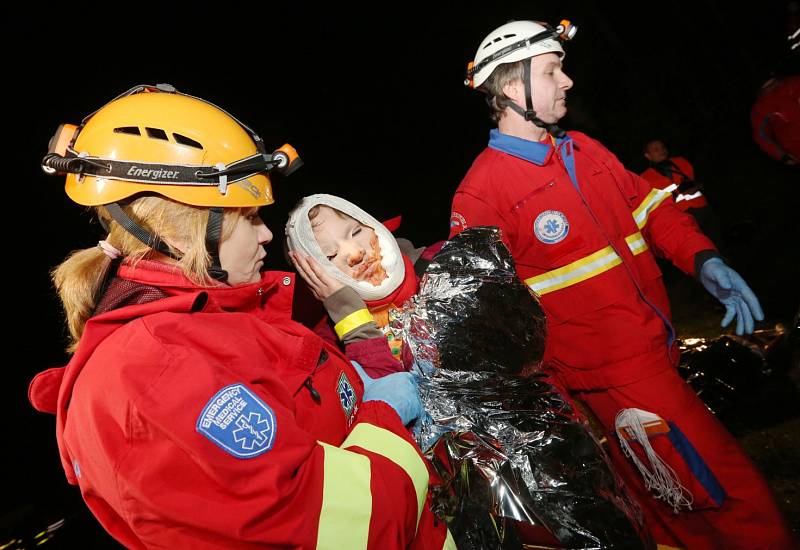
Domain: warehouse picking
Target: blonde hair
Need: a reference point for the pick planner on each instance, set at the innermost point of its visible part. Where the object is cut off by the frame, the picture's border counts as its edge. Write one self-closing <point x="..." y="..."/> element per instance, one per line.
<point x="78" y="278"/>
<point x="493" y="87"/>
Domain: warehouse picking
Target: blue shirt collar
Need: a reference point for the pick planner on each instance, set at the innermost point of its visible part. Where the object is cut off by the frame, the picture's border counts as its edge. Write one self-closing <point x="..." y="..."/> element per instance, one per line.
<point x="532" y="151"/>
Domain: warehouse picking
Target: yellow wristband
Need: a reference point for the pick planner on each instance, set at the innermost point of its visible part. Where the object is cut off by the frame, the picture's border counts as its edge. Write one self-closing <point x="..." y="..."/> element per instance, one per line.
<point x="352" y="322"/>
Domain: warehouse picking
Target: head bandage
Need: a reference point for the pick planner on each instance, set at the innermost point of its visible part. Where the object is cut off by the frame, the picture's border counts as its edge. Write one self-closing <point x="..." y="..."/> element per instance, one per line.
<point x="300" y="237"/>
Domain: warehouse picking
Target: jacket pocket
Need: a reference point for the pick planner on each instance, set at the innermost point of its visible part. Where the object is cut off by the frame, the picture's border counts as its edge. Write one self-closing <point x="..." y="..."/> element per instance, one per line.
<point x="530" y="196"/>
<point x="578" y="282"/>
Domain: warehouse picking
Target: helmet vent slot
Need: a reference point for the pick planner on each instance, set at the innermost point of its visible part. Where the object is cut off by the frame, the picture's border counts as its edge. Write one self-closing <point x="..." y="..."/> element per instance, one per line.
<point x="157" y="133"/>
<point x="132" y="130"/>
<point x="183" y="140"/>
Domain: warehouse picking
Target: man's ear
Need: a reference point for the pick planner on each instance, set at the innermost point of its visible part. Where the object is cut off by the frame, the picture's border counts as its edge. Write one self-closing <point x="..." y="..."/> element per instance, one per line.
<point x="514" y="91"/>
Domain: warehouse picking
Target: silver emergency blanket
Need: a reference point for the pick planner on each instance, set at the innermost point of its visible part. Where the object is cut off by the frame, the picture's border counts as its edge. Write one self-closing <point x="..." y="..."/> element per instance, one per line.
<point x="517" y="465"/>
<point x="744" y="380"/>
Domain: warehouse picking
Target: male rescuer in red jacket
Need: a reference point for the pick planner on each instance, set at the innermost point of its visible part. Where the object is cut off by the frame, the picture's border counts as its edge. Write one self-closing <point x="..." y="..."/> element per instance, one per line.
<point x="583" y="231"/>
<point x="676" y="175"/>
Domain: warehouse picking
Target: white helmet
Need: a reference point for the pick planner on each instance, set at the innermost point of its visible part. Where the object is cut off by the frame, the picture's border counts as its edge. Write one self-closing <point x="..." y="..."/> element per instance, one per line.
<point x="514" y="42"/>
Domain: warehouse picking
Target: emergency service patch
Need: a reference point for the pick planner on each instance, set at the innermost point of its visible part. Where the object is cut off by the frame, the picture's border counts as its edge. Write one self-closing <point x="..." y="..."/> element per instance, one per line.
<point x="457" y="220"/>
<point x="551" y="226"/>
<point x="238" y="421"/>
<point x="347" y="395"/>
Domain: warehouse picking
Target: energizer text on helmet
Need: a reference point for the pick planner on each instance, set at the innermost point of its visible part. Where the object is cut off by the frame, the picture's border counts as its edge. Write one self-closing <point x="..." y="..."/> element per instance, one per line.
<point x="300" y="236"/>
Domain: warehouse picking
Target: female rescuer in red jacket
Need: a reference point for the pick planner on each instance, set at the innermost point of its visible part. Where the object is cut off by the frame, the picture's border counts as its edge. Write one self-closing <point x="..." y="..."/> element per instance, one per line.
<point x="194" y="413"/>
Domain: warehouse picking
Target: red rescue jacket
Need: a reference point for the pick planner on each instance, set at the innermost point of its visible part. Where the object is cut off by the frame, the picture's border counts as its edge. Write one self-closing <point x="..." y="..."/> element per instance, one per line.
<point x="583" y="231"/>
<point x="209" y="419"/>
<point x="775" y="118"/>
<point x="680" y="171"/>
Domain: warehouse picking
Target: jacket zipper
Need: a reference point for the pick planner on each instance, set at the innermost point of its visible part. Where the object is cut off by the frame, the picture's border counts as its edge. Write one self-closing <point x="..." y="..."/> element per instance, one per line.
<point x="667" y="324"/>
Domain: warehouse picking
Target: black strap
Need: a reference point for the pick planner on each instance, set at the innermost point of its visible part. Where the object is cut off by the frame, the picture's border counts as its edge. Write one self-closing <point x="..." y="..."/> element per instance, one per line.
<point x="529" y="114"/>
<point x="668" y="167"/>
<point x="138" y="231"/>
<point x="169" y="174"/>
<point x="108" y="277"/>
<point x="213" y="236"/>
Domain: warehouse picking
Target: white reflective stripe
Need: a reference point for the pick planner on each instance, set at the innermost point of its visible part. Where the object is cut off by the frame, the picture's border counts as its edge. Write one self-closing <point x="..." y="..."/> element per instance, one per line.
<point x="575" y="272"/>
<point x="398" y="450"/>
<point x="346" y="500"/>
<point x="670" y="188"/>
<point x="650" y="203"/>
<point x="449" y="543"/>
<point x="680" y="198"/>
<point x="636" y="243"/>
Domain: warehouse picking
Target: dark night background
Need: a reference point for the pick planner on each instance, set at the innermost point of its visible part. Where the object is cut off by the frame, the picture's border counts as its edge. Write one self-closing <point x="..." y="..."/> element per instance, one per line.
<point x="373" y="101"/>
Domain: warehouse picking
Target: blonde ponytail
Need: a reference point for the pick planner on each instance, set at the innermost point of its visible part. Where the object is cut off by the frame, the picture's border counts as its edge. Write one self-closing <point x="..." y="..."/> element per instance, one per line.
<point x="80" y="276"/>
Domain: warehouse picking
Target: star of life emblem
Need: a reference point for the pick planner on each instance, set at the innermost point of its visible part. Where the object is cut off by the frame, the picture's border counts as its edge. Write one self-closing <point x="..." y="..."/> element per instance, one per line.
<point x="551" y="226"/>
<point x="238" y="421"/>
<point x="347" y="395"/>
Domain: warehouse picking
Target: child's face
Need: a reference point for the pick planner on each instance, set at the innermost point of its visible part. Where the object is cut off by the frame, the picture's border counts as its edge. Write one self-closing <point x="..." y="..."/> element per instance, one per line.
<point x="349" y="245"/>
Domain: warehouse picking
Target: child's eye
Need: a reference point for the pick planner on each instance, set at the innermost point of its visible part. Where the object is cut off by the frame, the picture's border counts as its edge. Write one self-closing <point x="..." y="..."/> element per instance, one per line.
<point x="253" y="217"/>
<point x="331" y="257"/>
<point x="356" y="231"/>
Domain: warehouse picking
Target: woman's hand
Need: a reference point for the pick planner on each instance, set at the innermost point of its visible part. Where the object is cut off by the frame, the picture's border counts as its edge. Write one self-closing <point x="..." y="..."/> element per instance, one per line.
<point x="321" y="284"/>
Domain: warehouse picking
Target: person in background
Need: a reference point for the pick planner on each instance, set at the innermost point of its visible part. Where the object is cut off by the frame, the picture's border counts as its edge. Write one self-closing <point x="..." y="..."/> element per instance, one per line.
<point x="775" y="118"/>
<point x="676" y="175"/>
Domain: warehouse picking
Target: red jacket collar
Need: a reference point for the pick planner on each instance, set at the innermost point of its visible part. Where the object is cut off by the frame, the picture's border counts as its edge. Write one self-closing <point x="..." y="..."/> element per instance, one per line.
<point x="273" y="292"/>
<point x="269" y="299"/>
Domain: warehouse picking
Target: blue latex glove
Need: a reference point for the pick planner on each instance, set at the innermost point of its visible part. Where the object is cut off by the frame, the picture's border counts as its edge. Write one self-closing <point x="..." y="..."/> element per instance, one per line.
<point x="728" y="287"/>
<point x="425" y="369"/>
<point x="399" y="390"/>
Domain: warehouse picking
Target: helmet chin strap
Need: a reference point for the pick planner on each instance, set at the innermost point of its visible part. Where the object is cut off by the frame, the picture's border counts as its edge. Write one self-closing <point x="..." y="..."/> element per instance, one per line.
<point x="529" y="114"/>
<point x="213" y="236"/>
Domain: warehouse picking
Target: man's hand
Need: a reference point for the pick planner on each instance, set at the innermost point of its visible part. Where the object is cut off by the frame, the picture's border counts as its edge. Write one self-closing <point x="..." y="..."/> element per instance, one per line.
<point x="728" y="287"/>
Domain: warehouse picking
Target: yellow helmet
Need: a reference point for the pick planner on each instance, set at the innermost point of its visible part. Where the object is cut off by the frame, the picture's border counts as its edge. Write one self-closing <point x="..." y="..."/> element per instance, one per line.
<point x="153" y="139"/>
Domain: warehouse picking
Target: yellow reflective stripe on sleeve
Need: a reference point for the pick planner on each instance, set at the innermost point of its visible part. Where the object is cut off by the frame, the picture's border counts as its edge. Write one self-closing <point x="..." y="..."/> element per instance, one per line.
<point x="398" y="450"/>
<point x="449" y="543"/>
<point x="636" y="243"/>
<point x="575" y="272"/>
<point x="352" y="321"/>
<point x="650" y="203"/>
<point x="346" y="500"/>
